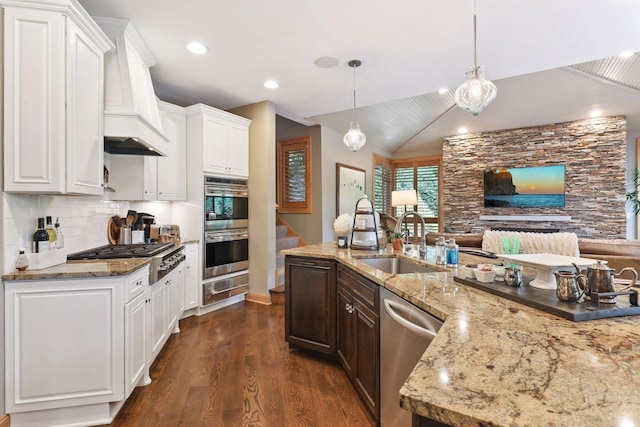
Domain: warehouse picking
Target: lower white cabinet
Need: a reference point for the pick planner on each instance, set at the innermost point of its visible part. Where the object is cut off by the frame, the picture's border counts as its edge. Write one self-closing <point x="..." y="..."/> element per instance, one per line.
<point x="159" y="318"/>
<point x="136" y="321"/>
<point x="192" y="283"/>
<point x="64" y="343"/>
<point x="166" y="306"/>
<point x="74" y="347"/>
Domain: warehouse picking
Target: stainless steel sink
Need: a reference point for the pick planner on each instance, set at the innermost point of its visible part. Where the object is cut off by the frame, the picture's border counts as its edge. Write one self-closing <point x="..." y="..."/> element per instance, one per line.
<point x="394" y="265"/>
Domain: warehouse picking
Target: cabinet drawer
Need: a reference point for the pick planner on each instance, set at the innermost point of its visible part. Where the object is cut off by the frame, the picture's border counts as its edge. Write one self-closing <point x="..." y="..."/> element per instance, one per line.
<point x="366" y="290"/>
<point x="136" y="284"/>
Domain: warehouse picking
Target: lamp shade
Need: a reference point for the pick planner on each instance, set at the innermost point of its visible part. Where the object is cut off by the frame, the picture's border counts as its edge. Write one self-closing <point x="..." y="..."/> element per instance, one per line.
<point x="404" y="197"/>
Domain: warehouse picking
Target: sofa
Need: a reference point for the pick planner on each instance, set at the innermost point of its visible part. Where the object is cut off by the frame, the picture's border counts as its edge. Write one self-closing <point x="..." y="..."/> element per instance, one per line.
<point x="618" y="253"/>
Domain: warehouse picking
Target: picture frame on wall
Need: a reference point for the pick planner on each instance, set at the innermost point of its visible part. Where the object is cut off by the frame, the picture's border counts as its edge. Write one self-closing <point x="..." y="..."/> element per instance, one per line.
<point x="350" y="187"/>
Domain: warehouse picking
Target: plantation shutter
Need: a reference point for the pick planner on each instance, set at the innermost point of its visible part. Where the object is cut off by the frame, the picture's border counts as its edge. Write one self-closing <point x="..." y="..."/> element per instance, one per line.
<point x="382" y="184"/>
<point x="294" y="167"/>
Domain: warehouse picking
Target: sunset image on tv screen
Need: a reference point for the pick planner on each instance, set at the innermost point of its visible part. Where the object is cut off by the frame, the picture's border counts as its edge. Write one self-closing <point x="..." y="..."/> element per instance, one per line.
<point x="541" y="186"/>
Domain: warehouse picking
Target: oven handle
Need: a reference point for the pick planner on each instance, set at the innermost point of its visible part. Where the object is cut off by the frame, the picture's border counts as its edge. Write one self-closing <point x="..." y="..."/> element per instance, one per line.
<point x="212" y="238"/>
<point x="223" y="193"/>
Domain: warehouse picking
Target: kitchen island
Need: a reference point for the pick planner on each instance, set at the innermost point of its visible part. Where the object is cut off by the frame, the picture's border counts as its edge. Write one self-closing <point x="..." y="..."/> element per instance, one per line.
<point x="496" y="362"/>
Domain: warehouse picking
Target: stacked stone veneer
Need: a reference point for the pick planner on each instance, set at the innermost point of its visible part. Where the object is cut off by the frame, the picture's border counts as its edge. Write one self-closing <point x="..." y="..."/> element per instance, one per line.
<point x="593" y="152"/>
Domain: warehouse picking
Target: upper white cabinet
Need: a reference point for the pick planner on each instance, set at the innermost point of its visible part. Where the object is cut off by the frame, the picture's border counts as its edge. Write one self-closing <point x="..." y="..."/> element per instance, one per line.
<point x="220" y="139"/>
<point x="53" y="98"/>
<point x="172" y="170"/>
<point x="155" y="178"/>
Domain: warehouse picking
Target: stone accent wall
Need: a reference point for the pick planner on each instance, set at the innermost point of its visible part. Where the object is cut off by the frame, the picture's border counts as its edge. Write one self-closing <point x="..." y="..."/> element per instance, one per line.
<point x="593" y="152"/>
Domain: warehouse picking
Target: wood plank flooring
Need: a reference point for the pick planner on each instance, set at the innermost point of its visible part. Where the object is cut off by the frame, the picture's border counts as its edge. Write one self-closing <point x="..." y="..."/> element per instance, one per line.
<point x="232" y="367"/>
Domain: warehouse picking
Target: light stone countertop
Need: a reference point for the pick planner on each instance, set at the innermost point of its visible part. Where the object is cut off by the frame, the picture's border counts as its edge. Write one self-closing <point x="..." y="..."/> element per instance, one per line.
<point x="499" y="363"/>
<point x="82" y="269"/>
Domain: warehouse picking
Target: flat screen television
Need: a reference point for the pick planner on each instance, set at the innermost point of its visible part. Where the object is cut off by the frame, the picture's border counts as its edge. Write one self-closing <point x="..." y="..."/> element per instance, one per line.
<point x="526" y="187"/>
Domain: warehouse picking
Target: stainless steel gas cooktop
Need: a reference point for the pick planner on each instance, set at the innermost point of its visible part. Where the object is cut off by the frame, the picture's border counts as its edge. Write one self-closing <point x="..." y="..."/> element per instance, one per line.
<point x="138" y="250"/>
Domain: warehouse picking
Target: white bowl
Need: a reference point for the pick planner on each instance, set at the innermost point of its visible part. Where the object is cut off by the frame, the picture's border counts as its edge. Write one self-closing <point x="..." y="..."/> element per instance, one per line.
<point x="466" y="272"/>
<point x="484" y="276"/>
<point x="499" y="272"/>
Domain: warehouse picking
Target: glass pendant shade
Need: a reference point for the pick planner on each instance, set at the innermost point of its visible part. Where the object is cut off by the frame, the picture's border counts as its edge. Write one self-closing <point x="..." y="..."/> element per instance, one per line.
<point x="476" y="93"/>
<point x="354" y="139"/>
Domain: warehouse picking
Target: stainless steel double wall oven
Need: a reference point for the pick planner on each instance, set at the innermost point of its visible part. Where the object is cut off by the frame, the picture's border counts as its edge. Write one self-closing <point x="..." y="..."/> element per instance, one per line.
<point x="226" y="238"/>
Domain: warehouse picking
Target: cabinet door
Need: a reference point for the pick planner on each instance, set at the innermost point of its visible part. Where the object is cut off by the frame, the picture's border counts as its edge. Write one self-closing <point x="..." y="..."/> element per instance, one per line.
<point x="175" y="293"/>
<point x="34" y="101"/>
<point x="174" y="296"/>
<point x="192" y="284"/>
<point x="238" y="142"/>
<point x="64" y="343"/>
<point x="133" y="177"/>
<point x="172" y="170"/>
<point x="158" y="319"/>
<point x="84" y="115"/>
<point x="214" y="145"/>
<point x="135" y="346"/>
<point x="344" y="329"/>
<point x="366" y="335"/>
<point x="180" y="293"/>
<point x="310" y="304"/>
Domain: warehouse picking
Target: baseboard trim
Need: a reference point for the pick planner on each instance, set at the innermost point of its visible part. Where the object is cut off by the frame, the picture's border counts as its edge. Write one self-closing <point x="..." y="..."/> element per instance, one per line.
<point x="259" y="298"/>
<point x="5" y="421"/>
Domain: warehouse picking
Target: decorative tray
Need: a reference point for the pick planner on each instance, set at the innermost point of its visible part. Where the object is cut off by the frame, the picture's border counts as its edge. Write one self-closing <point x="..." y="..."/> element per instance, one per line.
<point x="546" y="300"/>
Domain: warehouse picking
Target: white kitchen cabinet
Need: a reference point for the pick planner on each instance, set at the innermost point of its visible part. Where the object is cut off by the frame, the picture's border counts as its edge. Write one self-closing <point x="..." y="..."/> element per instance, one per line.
<point x="172" y="170"/>
<point x="192" y="283"/>
<point x="159" y="318"/>
<point x="133" y="177"/>
<point x="64" y="343"/>
<point x="221" y="139"/>
<point x="53" y="99"/>
<point x="167" y="302"/>
<point x="152" y="178"/>
<point x="175" y="292"/>
<point x="137" y="328"/>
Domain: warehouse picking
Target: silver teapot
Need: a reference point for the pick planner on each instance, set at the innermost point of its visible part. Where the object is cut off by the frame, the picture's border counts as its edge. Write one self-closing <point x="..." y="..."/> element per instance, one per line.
<point x="600" y="280"/>
<point x="571" y="286"/>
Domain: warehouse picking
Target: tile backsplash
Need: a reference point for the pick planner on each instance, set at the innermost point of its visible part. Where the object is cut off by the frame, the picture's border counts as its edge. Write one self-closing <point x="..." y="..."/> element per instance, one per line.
<point x="83" y="221"/>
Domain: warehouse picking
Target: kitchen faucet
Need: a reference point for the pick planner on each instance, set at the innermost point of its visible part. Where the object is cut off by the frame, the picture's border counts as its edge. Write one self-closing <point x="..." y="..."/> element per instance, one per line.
<point x="398" y="230"/>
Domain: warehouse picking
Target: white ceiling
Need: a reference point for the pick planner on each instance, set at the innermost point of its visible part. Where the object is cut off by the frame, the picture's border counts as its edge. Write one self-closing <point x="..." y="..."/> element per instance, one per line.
<point x="409" y="49"/>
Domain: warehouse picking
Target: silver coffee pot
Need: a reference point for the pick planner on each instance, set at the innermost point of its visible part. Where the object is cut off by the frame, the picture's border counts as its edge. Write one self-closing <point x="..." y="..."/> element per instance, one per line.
<point x="571" y="286"/>
<point x="600" y="280"/>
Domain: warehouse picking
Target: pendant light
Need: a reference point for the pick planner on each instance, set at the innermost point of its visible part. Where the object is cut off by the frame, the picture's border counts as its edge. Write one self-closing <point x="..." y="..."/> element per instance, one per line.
<point x="477" y="92"/>
<point x="354" y="139"/>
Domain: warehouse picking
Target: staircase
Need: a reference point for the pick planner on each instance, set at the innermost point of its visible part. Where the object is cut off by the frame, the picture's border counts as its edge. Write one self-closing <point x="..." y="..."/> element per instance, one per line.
<point x="286" y="238"/>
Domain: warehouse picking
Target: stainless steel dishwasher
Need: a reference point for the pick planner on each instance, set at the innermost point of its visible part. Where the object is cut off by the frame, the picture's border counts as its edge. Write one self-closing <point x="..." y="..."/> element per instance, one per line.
<point x="405" y="333"/>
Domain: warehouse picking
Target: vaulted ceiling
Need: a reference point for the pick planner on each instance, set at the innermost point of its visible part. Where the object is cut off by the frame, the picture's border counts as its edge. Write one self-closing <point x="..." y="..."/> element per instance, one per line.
<point x="545" y="57"/>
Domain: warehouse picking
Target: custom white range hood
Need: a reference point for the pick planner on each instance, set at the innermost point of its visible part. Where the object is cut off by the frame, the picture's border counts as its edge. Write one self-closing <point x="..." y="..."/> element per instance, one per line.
<point x="131" y="117"/>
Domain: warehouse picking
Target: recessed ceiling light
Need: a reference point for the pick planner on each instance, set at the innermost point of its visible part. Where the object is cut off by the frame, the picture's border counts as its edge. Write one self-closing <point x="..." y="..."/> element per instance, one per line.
<point x="443" y="90"/>
<point x="197" y="48"/>
<point x="595" y="113"/>
<point x="626" y="54"/>
<point x="327" y="62"/>
<point x="271" y="84"/>
<point x="462" y="130"/>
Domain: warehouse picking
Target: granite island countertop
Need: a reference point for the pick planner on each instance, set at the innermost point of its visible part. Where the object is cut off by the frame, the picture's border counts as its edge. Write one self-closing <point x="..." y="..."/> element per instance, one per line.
<point x="496" y="362"/>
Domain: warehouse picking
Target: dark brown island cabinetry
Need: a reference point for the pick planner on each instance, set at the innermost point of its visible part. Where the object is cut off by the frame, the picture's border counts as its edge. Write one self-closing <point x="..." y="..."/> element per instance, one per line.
<point x="310" y="304"/>
<point x="334" y="311"/>
<point x="358" y="334"/>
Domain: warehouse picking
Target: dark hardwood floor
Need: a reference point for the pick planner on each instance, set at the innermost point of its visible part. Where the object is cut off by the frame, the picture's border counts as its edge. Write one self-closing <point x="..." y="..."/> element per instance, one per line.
<point x="232" y="367"/>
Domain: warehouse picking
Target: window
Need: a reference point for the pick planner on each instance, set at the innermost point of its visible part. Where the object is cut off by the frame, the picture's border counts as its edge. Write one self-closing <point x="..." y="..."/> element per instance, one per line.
<point x="294" y="175"/>
<point x="382" y="184"/>
<point x="421" y="174"/>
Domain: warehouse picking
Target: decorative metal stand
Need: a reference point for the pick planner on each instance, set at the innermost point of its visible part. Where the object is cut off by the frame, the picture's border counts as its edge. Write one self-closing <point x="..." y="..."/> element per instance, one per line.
<point x="365" y="227"/>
